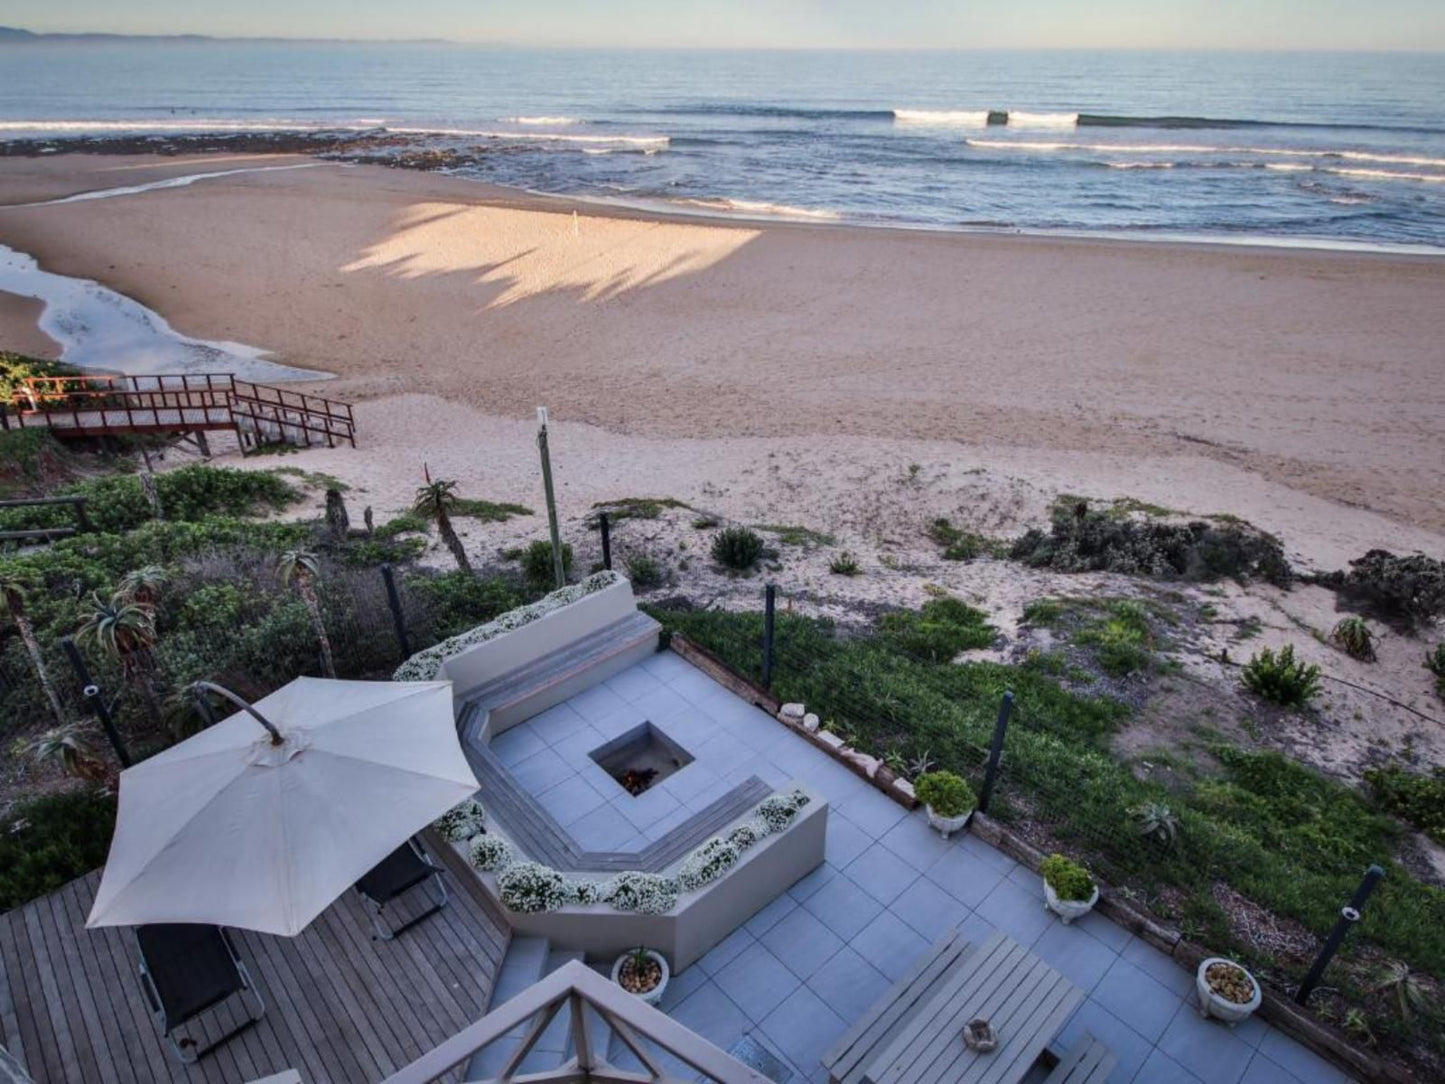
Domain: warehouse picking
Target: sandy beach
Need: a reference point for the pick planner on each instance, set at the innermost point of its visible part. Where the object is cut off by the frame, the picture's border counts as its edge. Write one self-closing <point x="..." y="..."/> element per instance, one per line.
<point x="1299" y="389"/>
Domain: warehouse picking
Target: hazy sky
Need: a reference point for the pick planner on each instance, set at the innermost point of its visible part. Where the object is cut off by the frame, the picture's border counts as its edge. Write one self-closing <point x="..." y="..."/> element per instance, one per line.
<point x="1271" y="24"/>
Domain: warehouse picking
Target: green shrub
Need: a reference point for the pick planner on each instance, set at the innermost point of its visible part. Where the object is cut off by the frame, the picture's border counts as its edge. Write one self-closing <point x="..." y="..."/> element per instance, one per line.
<point x="645" y="571"/>
<point x="845" y="564"/>
<point x="945" y="793"/>
<point x="1068" y="879"/>
<point x="406" y="523"/>
<point x="488" y="511"/>
<point x="1435" y="663"/>
<point x="1353" y="636"/>
<point x="537" y="563"/>
<point x="737" y="548"/>
<point x="460" y="600"/>
<point x="938" y="632"/>
<point x="1418" y="799"/>
<point x="1405" y="591"/>
<point x="1122" y="637"/>
<point x="47" y="842"/>
<point x="1281" y="678"/>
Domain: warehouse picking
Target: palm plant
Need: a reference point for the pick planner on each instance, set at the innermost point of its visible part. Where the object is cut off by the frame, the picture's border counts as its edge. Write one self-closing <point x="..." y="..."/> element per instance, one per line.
<point x="142" y="586"/>
<point x="126" y="632"/>
<point x="300" y="569"/>
<point x="1355" y="638"/>
<point x="1397" y="979"/>
<point x="67" y="746"/>
<point x="436" y="501"/>
<point x="1156" y="821"/>
<point x="12" y="593"/>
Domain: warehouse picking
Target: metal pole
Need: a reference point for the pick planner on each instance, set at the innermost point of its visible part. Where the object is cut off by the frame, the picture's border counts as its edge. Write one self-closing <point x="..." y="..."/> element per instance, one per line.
<point x="1349" y="915"/>
<point x="197" y="688"/>
<point x="770" y="617"/>
<point x="394" y="601"/>
<point x="96" y="701"/>
<point x="995" y="752"/>
<point x="604" y="522"/>
<point x="558" y="568"/>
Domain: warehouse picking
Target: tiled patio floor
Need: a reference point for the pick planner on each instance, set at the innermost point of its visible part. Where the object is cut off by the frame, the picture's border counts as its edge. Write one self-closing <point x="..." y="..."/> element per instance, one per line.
<point x="802" y="969"/>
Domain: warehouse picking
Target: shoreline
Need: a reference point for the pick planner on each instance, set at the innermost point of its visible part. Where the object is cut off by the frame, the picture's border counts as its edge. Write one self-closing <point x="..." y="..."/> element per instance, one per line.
<point x="1315" y="370"/>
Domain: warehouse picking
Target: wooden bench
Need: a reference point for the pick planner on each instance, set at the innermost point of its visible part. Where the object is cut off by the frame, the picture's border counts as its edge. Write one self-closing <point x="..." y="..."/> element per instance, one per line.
<point x="847" y="1060"/>
<point x="1088" y="1061"/>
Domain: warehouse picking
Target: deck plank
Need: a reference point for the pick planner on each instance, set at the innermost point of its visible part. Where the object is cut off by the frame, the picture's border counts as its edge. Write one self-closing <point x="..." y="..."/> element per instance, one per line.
<point x="341" y="1008"/>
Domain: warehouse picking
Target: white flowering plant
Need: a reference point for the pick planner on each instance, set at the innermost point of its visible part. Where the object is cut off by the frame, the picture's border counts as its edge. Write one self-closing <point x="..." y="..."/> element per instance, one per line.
<point x="424" y="665"/>
<point x="584" y="892"/>
<point x="707" y="864"/>
<point x="491" y="854"/>
<point x="461" y="822"/>
<point x="643" y="893"/>
<point x="529" y="888"/>
<point x="778" y="811"/>
<point x="746" y="834"/>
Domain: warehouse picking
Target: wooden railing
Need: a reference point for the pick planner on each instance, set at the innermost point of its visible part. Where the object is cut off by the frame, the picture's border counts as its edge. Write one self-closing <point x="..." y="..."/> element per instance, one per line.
<point x="77" y="506"/>
<point x="289" y="416"/>
<point x="582" y="991"/>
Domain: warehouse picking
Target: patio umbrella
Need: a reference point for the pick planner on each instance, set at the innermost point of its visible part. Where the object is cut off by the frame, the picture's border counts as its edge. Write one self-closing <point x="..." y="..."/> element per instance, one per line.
<point x="262" y="820"/>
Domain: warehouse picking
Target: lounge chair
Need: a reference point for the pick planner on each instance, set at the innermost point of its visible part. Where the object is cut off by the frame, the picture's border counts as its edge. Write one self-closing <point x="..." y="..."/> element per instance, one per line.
<point x="187" y="969"/>
<point x="402" y="870"/>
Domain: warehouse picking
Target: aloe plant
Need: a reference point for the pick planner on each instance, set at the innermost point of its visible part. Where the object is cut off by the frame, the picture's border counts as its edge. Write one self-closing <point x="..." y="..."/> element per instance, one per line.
<point x="1354" y="637"/>
<point x="1155" y="820"/>
<point x="126" y="632"/>
<point x="68" y="747"/>
<point x="437" y="500"/>
<point x="301" y="569"/>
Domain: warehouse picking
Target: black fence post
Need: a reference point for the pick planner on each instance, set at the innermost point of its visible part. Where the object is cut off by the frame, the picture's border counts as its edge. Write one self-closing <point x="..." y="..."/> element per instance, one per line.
<point x="770" y="605"/>
<point x="604" y="524"/>
<point x="393" y="600"/>
<point x="1349" y="915"/>
<point x="96" y="701"/>
<point x="995" y="752"/>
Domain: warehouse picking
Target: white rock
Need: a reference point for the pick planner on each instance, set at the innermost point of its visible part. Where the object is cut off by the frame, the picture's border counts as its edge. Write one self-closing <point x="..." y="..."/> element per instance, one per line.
<point x="791" y="713"/>
<point x="831" y="740"/>
<point x="810" y="722"/>
<point x="863" y="760"/>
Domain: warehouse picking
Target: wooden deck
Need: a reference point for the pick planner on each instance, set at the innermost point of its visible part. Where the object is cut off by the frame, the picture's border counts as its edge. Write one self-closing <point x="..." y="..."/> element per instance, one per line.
<point x="340" y="1007"/>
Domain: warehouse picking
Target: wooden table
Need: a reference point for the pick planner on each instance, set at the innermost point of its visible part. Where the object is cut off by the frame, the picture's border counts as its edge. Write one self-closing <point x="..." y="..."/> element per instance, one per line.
<point x="1025" y="999"/>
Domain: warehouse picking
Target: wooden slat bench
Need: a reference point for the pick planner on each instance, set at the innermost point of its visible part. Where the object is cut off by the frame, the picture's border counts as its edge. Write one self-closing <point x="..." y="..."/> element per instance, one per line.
<point x="1088" y="1061"/>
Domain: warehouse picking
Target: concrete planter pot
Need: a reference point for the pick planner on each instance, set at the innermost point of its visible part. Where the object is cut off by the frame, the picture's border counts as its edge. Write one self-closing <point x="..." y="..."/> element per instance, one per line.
<point x="1221" y="1008"/>
<point x="948" y="825"/>
<point x="1068" y="910"/>
<point x="653" y="996"/>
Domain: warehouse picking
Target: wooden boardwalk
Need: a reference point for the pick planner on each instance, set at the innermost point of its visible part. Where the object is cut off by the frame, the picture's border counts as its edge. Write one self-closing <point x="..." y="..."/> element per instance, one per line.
<point x="340" y="1007"/>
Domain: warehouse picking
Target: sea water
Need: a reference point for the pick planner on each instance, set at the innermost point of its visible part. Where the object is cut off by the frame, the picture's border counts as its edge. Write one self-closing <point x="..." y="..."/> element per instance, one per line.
<point x="1337" y="149"/>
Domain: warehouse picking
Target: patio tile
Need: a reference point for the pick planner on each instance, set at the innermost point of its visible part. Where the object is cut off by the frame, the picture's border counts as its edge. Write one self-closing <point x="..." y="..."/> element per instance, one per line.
<point x="845" y="842"/>
<point x="977" y="929"/>
<point x="1131" y="1048"/>
<point x="930" y="910"/>
<point x="1080" y="958"/>
<point x="792" y="753"/>
<point x="849" y="984"/>
<point x="771" y="915"/>
<point x="576" y="746"/>
<point x="668" y="665"/>
<point x="681" y="985"/>
<point x="1264" y="1070"/>
<point x="889" y="944"/>
<point x="757" y="981"/>
<point x="688" y="681"/>
<point x="1135" y="998"/>
<point x="517" y="744"/>
<point x="713" y="1015"/>
<point x="689" y="781"/>
<point x="806" y="886"/>
<point x="556" y="723"/>
<point x="1017" y="913"/>
<point x="1028" y="880"/>
<point x="965" y="876"/>
<point x="1111" y="933"/>
<point x="1160" y="1068"/>
<point x="662" y="706"/>
<point x="596" y="703"/>
<point x="633" y="683"/>
<point x="604" y="829"/>
<point x="1252" y="1031"/>
<point x="709" y="794"/>
<point x="724" y="753"/>
<point x="612" y="724"/>
<point x="725" y="951"/>
<point x="1209" y="1049"/>
<point x="842" y="906"/>
<point x="770" y="774"/>
<point x="871" y="810"/>
<point x="832" y="780"/>
<point x="992" y="855"/>
<point x="570" y="800"/>
<point x="1305" y="1064"/>
<point x="645" y="809"/>
<point x="881" y="873"/>
<point x="541" y="771"/>
<point x="802" y="942"/>
<point x="917" y="844"/>
<point x="666" y="823"/>
<point x="1162" y="969"/>
<point x="804" y="1027"/>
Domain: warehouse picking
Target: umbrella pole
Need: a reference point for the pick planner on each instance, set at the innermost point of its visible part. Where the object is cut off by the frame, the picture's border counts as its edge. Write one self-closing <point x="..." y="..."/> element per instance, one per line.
<point x="244" y="705"/>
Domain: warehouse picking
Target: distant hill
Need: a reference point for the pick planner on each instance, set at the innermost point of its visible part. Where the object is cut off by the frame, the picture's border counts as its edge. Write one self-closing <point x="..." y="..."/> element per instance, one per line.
<point x="11" y="35"/>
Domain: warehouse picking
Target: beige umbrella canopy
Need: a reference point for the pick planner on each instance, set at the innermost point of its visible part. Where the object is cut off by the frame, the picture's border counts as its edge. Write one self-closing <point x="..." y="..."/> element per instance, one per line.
<point x="263" y="820"/>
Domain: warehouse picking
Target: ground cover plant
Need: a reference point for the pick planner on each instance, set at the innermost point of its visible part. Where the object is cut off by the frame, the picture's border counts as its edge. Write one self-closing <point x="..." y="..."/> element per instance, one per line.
<point x="47" y="841"/>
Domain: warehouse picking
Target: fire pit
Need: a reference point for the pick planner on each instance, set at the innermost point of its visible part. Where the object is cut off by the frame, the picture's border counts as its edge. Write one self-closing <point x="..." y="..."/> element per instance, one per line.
<point x="641" y="758"/>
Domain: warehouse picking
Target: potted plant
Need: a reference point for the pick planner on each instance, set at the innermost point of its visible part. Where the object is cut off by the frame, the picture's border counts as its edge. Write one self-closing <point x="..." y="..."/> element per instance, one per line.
<point x="1069" y="890"/>
<point x="1227" y="991"/>
<point x="949" y="799"/>
<point x="641" y="972"/>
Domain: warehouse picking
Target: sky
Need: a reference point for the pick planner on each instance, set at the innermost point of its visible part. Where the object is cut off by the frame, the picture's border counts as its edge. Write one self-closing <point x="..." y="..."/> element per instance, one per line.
<point x="1245" y="24"/>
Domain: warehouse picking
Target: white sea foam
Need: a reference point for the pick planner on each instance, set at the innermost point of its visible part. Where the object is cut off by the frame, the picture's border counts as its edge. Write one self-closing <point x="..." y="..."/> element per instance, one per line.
<point x="1017" y="119"/>
<point x="942" y="118"/>
<point x="169" y="182"/>
<point x="542" y="137"/>
<point x="98" y="328"/>
<point x="540" y="121"/>
<point x="1140" y="165"/>
<point x="1203" y="148"/>
<point x="759" y="207"/>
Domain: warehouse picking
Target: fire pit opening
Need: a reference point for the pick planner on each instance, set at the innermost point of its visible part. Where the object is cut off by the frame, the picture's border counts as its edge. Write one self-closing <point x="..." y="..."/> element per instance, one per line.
<point x="640" y="758"/>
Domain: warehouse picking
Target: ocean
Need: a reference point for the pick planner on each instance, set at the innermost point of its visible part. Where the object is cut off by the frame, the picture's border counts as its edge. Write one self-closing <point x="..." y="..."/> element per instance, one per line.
<point x="1331" y="149"/>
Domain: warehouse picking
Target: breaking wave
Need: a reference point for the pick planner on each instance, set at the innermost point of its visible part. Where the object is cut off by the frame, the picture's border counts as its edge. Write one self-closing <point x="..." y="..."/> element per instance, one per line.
<point x="943" y="118"/>
<point x="759" y="207"/>
<point x="540" y="121"/>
